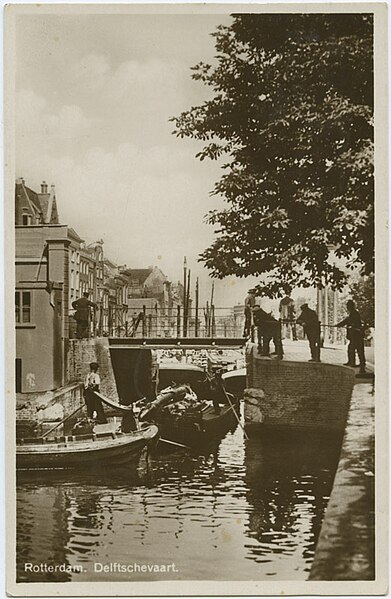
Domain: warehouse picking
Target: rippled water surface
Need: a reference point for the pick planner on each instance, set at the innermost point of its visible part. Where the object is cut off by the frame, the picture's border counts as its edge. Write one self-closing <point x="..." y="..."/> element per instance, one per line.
<point x="247" y="511"/>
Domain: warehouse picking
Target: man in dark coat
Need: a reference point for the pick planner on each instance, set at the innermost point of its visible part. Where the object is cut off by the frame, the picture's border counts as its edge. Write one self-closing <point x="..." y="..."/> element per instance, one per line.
<point x="83" y="315"/>
<point x="268" y="328"/>
<point x="355" y="335"/>
<point x="249" y="303"/>
<point x="310" y="323"/>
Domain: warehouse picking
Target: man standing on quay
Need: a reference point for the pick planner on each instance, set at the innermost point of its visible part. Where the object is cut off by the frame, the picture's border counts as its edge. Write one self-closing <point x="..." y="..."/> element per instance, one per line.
<point x="355" y="335"/>
<point x="83" y="315"/>
<point x="249" y="304"/>
<point x="310" y="323"/>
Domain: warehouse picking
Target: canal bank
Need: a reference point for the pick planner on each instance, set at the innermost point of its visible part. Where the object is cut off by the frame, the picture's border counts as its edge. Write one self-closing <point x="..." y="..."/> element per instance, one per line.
<point x="346" y="545"/>
<point x="279" y="395"/>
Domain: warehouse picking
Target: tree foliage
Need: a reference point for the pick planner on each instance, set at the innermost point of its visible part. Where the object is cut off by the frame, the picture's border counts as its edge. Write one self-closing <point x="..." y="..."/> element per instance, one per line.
<point x="292" y="113"/>
<point x="362" y="292"/>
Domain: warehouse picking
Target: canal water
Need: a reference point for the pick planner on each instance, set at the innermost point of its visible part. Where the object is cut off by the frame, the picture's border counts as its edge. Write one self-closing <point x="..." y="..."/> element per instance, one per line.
<point x="247" y="510"/>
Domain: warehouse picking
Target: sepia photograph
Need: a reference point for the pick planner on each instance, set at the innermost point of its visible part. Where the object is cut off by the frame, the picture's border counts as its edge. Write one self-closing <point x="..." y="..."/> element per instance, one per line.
<point x="196" y="234"/>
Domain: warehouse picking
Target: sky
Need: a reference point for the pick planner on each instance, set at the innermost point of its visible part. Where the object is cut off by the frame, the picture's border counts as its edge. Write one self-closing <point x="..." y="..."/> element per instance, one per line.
<point x="94" y="98"/>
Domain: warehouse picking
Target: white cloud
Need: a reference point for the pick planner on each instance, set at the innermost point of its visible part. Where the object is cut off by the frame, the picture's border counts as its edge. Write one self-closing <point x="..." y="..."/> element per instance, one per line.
<point x="91" y="70"/>
<point x="35" y="122"/>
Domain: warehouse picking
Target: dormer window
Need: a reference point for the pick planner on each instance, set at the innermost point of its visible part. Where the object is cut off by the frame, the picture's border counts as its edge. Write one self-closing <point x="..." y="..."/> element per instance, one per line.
<point x="26" y="219"/>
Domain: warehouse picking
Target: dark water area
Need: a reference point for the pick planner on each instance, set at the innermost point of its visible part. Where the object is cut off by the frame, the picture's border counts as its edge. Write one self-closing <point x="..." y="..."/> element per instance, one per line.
<point x="247" y="510"/>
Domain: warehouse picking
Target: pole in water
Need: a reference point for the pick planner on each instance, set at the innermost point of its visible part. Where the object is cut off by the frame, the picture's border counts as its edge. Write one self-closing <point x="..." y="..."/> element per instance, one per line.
<point x="173" y="443"/>
<point x="233" y="409"/>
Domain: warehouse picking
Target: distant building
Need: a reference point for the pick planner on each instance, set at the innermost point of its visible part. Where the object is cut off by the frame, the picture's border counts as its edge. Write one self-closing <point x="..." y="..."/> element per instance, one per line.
<point x="75" y="246"/>
<point x="114" y="300"/>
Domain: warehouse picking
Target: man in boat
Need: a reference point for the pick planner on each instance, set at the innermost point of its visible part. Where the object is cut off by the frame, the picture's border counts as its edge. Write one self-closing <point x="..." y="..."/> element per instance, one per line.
<point x="249" y="304"/>
<point x="94" y="404"/>
<point x="268" y="328"/>
<point x="83" y="315"/>
<point x="311" y="325"/>
<point x="355" y="335"/>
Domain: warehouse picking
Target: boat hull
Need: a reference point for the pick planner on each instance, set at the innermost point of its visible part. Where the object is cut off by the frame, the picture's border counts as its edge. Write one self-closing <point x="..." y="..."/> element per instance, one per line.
<point x="107" y="450"/>
<point x="191" y="434"/>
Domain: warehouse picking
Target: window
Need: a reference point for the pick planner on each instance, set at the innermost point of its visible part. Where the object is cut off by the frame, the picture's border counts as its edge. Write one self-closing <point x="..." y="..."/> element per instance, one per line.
<point x="26" y="219"/>
<point x="22" y="307"/>
<point x="18" y="374"/>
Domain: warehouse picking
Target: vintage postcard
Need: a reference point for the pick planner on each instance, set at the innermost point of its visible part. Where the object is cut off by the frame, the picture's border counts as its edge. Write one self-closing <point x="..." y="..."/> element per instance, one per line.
<point x="196" y="289"/>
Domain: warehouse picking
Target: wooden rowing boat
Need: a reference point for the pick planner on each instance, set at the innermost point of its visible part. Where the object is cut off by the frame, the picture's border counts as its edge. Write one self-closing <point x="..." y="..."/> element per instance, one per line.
<point x="109" y="448"/>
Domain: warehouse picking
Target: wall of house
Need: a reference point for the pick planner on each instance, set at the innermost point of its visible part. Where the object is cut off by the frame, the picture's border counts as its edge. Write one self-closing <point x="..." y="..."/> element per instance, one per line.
<point x="41" y="267"/>
<point x="35" y="345"/>
<point x="296" y="395"/>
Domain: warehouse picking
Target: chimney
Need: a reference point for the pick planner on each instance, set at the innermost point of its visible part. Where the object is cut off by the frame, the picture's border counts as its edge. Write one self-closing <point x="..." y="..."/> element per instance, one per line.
<point x="44" y="187"/>
<point x="20" y="181"/>
<point x="53" y="189"/>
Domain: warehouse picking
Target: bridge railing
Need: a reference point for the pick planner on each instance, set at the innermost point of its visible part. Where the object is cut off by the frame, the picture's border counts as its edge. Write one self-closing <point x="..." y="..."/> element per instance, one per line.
<point x="172" y="322"/>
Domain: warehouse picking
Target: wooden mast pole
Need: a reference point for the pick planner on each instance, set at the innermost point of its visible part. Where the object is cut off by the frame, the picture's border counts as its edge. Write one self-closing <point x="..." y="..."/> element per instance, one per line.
<point x="196" y="306"/>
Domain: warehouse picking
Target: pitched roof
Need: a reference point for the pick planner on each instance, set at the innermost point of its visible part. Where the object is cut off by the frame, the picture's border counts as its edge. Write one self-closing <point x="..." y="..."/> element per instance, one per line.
<point x="42" y="203"/>
<point x="22" y="191"/>
<point x="139" y="274"/>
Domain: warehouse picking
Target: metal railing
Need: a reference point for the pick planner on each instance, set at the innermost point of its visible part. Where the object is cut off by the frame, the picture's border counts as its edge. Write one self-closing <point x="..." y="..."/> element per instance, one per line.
<point x="169" y="323"/>
<point x="209" y="322"/>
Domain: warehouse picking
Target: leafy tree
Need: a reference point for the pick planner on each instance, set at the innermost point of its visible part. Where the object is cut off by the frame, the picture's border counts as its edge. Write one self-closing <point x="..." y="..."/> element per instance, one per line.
<point x="292" y="113"/>
<point x="362" y="291"/>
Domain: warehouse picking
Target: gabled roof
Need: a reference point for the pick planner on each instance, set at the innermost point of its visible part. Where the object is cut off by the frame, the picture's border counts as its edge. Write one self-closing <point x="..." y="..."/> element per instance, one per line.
<point x="139" y="274"/>
<point x="32" y="198"/>
<point x="42" y="204"/>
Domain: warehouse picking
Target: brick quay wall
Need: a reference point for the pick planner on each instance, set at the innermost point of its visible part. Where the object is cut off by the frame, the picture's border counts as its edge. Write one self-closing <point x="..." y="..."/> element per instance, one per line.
<point x="84" y="351"/>
<point x="326" y="397"/>
<point x="296" y="395"/>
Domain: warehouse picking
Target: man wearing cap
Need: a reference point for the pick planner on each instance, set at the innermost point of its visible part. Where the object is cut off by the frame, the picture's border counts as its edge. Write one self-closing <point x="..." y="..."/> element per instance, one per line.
<point x="355" y="335"/>
<point x="310" y="323"/>
<point x="94" y="404"/>
<point x="249" y="303"/>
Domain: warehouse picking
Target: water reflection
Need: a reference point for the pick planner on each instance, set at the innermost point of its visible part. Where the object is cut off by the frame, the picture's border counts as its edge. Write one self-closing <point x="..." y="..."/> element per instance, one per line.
<point x="241" y="511"/>
<point x="289" y="483"/>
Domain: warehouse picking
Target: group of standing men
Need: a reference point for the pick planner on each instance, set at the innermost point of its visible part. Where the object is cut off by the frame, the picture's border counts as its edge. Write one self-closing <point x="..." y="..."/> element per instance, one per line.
<point x="269" y="328"/>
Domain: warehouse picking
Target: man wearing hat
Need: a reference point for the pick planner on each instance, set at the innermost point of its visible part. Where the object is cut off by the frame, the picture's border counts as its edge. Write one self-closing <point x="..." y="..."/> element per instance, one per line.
<point x="355" y="335"/>
<point x="249" y="304"/>
<point x="311" y="325"/>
